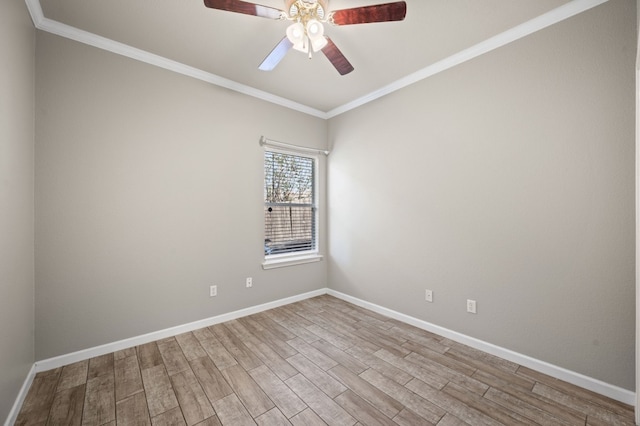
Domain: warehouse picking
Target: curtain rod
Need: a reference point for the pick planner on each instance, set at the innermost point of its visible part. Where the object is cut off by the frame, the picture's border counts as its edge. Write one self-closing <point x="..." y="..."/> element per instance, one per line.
<point x="276" y="144"/>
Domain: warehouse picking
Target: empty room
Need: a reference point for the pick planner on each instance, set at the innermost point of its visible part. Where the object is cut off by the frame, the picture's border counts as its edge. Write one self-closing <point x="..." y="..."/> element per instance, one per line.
<point x="308" y="212"/>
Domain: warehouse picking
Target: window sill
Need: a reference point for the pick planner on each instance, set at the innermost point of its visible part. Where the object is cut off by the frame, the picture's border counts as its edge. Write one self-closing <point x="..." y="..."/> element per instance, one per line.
<point x="281" y="262"/>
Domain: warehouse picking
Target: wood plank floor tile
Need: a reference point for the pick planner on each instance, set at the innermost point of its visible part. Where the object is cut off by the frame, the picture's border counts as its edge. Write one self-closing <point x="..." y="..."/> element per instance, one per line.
<point x="216" y="351"/>
<point x="325" y="320"/>
<point x="592" y="421"/>
<point x="314" y="355"/>
<point x="203" y="334"/>
<point x="35" y="409"/>
<point x="190" y="346"/>
<point x="247" y="390"/>
<point x="363" y="411"/>
<point x="503" y="373"/>
<point x="307" y="418"/>
<point x="441" y="359"/>
<point x="100" y="365"/>
<point x="73" y="375"/>
<point x="485" y="406"/>
<point x="391" y="338"/>
<point x="133" y="411"/>
<point x="469" y="382"/>
<point x="407" y="417"/>
<point x="275" y="315"/>
<point x="128" y="380"/>
<point x="525" y="409"/>
<point x="319" y="402"/>
<point x="340" y="356"/>
<point x="455" y="347"/>
<point x="158" y="390"/>
<point x="383" y="342"/>
<point x="357" y="341"/>
<point x="424" y="408"/>
<point x="213" y="382"/>
<point x="231" y="412"/>
<point x="211" y="421"/>
<point x="293" y="323"/>
<point x="289" y="311"/>
<point x="420" y="337"/>
<point x="299" y="331"/>
<point x="317" y="376"/>
<point x="413" y="369"/>
<point x="336" y="319"/>
<point x="380" y="365"/>
<point x="171" y="417"/>
<point x="578" y="392"/>
<point x="450" y="420"/>
<point x="100" y="400"/>
<point x="279" y="331"/>
<point x="268" y="337"/>
<point x="67" y="405"/>
<point x="368" y="318"/>
<point x="330" y="336"/>
<point x="273" y="417"/>
<point x="262" y="351"/>
<point x="149" y="355"/>
<point x="564" y="413"/>
<point x="383" y="402"/>
<point x="195" y="405"/>
<point x="236" y="347"/>
<point x="450" y="404"/>
<point x="285" y="399"/>
<point x="351" y="316"/>
<point x="173" y="357"/>
<point x="314" y="362"/>
<point x="592" y="410"/>
<point x="124" y="353"/>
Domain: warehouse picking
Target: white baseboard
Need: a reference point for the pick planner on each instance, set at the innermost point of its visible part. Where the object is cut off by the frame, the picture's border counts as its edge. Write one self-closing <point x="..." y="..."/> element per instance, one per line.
<point x="59" y="361"/>
<point x="22" y="395"/>
<point x="606" y="389"/>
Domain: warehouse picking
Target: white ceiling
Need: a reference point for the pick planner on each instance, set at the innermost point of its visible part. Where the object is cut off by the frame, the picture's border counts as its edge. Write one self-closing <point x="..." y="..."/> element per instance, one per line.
<point x="226" y="48"/>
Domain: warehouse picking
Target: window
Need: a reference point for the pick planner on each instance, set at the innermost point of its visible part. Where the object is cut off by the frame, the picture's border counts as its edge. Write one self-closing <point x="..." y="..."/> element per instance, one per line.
<point x="290" y="211"/>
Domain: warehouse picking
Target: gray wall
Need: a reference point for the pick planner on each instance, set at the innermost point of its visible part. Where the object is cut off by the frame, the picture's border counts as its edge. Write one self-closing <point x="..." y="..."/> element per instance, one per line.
<point x="17" y="65"/>
<point x="508" y="180"/>
<point x="149" y="188"/>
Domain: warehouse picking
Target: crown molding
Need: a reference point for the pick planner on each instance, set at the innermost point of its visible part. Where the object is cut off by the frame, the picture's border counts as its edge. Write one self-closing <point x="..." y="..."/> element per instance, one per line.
<point x="545" y="20"/>
<point x="63" y="30"/>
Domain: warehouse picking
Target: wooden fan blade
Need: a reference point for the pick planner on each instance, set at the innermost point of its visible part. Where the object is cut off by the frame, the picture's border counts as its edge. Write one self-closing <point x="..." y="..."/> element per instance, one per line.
<point x="335" y="56"/>
<point x="276" y="55"/>
<point x="247" y="8"/>
<point x="376" y="13"/>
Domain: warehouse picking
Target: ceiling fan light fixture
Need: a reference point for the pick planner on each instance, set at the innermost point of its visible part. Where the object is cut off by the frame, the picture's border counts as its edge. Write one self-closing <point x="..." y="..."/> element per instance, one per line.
<point x="306" y="33"/>
<point x="315" y="32"/>
<point x="297" y="37"/>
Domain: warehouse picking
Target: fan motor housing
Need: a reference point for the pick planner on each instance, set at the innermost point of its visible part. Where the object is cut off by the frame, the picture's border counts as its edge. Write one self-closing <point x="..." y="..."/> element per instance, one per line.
<point x="318" y="8"/>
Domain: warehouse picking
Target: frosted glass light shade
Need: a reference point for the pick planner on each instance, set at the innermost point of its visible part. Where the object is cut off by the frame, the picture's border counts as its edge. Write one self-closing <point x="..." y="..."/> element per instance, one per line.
<point x="296" y="35"/>
<point x="315" y="32"/>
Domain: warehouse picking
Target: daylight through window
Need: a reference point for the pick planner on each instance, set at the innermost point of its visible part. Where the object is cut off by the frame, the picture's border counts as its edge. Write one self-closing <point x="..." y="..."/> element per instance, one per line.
<point x="289" y="203"/>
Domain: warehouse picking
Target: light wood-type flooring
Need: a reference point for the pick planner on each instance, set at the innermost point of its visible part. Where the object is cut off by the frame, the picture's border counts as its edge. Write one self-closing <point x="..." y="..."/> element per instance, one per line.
<point x="315" y="362"/>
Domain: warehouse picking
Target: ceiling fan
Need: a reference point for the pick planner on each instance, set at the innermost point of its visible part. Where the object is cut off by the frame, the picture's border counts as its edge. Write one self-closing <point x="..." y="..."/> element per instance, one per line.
<point x="306" y="33"/>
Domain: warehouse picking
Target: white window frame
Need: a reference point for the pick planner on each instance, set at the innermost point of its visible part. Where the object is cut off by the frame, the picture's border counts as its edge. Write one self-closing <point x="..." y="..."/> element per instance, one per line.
<point x="280" y="260"/>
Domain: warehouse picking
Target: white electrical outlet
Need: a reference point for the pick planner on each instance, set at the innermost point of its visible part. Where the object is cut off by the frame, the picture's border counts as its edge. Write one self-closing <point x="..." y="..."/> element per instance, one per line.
<point x="471" y="306"/>
<point x="249" y="282"/>
<point x="428" y="295"/>
<point x="213" y="291"/>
